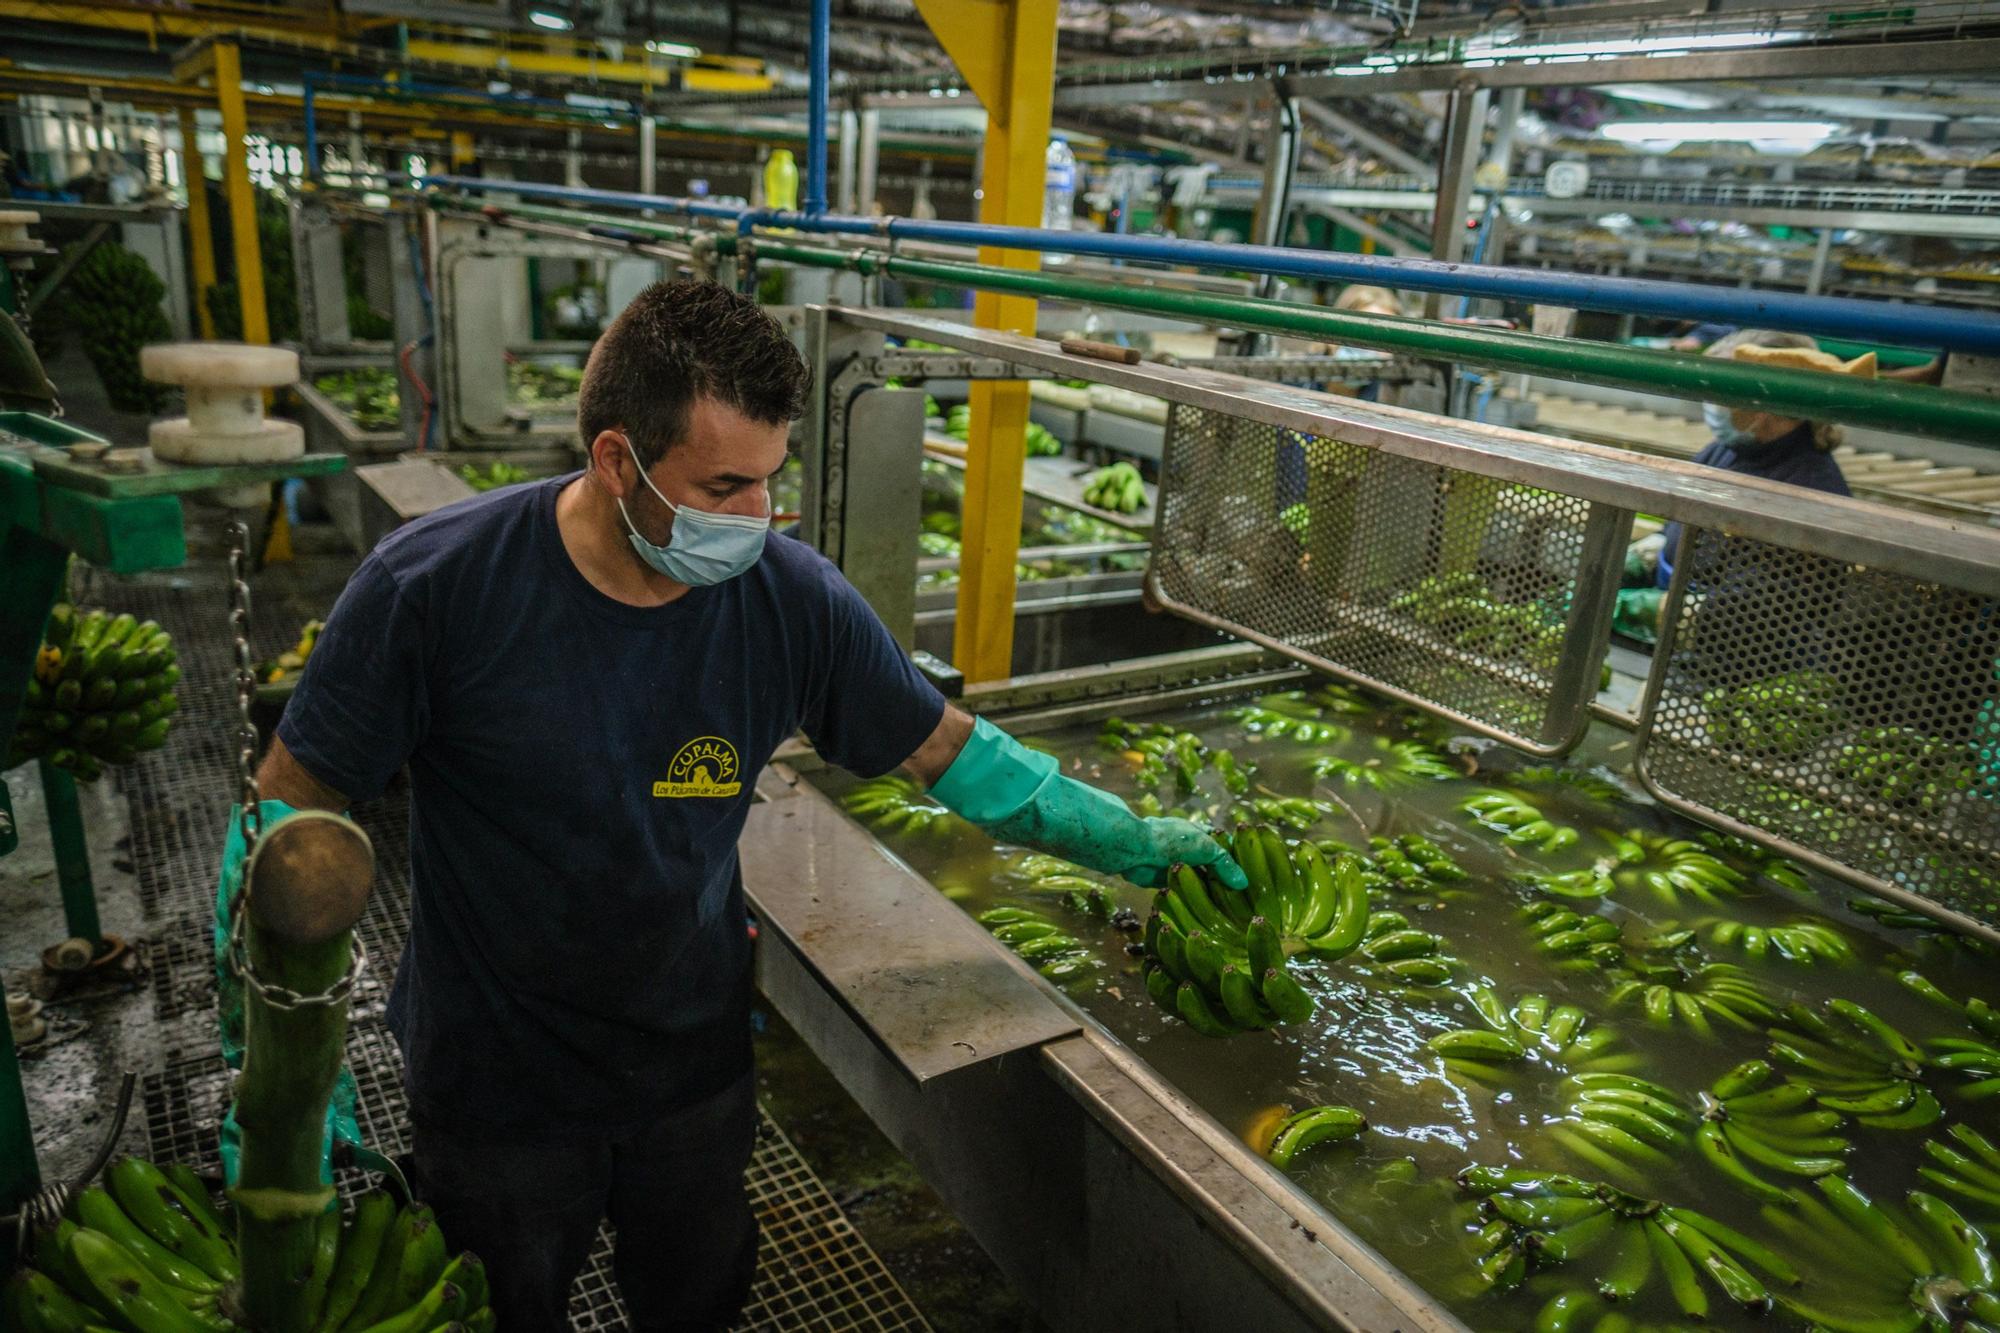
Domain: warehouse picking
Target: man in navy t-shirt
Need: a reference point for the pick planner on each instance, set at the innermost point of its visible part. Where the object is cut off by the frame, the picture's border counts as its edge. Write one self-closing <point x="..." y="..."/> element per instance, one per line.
<point x="584" y="677"/>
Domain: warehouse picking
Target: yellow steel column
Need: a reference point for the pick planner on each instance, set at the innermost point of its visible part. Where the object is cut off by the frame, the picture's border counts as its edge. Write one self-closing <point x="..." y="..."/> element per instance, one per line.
<point x="461" y="149"/>
<point x="201" y="238"/>
<point x="1006" y="49"/>
<point x="228" y="70"/>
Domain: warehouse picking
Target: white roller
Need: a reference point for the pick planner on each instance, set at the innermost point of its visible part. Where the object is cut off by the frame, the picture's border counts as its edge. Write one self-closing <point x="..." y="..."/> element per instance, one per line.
<point x="225" y="384"/>
<point x="14" y="224"/>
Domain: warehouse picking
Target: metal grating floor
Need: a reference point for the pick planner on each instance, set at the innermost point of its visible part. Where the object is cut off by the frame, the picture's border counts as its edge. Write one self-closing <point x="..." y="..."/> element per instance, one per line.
<point x="814" y="1270"/>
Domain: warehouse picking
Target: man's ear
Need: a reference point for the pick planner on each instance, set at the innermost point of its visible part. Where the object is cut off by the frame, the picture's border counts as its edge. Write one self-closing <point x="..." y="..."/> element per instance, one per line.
<point x="609" y="461"/>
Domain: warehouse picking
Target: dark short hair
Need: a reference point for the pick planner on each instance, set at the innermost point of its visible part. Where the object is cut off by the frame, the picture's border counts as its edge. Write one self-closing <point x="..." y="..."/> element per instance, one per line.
<point x="676" y="343"/>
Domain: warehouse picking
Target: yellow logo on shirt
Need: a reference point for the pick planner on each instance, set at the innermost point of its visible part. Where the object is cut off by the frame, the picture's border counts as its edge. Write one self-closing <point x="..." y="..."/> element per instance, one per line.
<point x="705" y="766"/>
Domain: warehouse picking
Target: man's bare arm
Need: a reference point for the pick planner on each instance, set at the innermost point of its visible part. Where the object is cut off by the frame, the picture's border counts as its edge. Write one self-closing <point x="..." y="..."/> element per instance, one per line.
<point x="281" y="777"/>
<point x="934" y="756"/>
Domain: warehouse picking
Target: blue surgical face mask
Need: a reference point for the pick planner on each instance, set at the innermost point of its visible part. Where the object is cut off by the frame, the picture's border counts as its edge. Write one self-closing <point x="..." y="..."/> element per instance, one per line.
<point x="1718" y="420"/>
<point x="706" y="547"/>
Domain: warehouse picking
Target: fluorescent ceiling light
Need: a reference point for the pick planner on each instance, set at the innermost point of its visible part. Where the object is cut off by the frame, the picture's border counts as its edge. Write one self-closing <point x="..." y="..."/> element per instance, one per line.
<point x="1664" y="94"/>
<point x="1504" y="49"/>
<point x="1717" y="131"/>
<point x="680" y="50"/>
<point x="542" y="18"/>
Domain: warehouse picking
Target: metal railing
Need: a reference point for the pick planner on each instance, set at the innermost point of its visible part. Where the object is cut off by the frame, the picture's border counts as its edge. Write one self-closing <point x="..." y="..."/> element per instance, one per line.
<point x="1895" y="616"/>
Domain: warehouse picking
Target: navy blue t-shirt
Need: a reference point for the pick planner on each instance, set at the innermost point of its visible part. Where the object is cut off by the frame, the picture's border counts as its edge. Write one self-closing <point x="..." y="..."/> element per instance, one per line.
<point x="580" y="771"/>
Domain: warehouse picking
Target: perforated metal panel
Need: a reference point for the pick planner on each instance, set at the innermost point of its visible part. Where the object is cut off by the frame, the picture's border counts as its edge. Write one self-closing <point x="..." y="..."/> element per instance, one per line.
<point x="1846" y="716"/>
<point x="1471" y="596"/>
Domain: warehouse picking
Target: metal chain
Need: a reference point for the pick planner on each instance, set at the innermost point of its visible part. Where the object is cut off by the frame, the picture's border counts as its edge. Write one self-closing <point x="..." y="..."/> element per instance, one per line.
<point x="249" y="800"/>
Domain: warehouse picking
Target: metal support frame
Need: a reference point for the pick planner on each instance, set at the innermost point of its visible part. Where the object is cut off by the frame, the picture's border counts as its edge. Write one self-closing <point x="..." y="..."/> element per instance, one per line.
<point x="1822" y="250"/>
<point x="201" y="235"/>
<point x="867" y="187"/>
<point x="73" y="255"/>
<point x="227" y="67"/>
<point x="52" y="508"/>
<point x="850" y="141"/>
<point x="1347" y="128"/>
<point x="649" y="157"/>
<point x="1006" y="49"/>
<point x="1281" y="164"/>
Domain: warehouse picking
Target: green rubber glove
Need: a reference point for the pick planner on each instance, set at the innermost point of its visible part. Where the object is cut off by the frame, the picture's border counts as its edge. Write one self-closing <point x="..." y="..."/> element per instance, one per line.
<point x="340" y="1122"/>
<point x="1018" y="796"/>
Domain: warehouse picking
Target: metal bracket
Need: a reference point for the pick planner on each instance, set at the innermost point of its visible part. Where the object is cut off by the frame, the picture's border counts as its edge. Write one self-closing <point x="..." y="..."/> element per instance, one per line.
<point x="952" y="366"/>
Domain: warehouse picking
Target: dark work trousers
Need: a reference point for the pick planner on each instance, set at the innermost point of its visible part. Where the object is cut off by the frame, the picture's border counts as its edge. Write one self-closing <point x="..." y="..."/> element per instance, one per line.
<point x="673" y="1189"/>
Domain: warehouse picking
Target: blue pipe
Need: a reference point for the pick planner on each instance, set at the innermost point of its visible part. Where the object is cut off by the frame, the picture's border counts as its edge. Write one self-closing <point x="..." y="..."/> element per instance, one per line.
<point x="1834" y="316"/>
<point x="818" y="76"/>
<point x="312" y="130"/>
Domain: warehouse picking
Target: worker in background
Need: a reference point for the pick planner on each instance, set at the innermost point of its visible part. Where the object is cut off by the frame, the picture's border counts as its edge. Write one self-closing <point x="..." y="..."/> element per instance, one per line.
<point x="585" y="678"/>
<point x="1763" y="444"/>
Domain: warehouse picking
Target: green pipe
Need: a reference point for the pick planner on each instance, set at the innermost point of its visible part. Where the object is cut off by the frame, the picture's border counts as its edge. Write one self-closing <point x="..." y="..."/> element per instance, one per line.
<point x="79" y="896"/>
<point x="1812" y="395"/>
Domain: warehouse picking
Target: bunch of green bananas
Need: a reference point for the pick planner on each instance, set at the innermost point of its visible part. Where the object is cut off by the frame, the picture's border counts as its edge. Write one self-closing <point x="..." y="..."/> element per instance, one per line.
<point x="113" y="299"/>
<point x="1310" y="1128"/>
<point x="1746" y="1119"/>
<point x="1039" y="441"/>
<point x="1671" y="866"/>
<point x="1297" y="813"/>
<point x="1804" y="941"/>
<point x="1906" y="769"/>
<point x="1976" y="1057"/>
<point x="1433" y="598"/>
<point x="893" y="804"/>
<point x="1503" y="629"/>
<point x="1695" y="994"/>
<point x="1056" y="954"/>
<point x="1556" y="1031"/>
<point x="1532" y="1220"/>
<point x="1117" y="488"/>
<point x="1040" y="875"/>
<point x="293" y="659"/>
<point x="1516" y="821"/>
<point x="1593" y="881"/>
<point x="1764" y="863"/>
<point x="1862" y="1066"/>
<point x="1629" y="1128"/>
<point x="1581" y="942"/>
<point x="102" y="691"/>
<point x="1156" y="748"/>
<point x="542" y="382"/>
<point x="1975" y="1178"/>
<point x="1926" y="1268"/>
<point x="1389" y="764"/>
<point x="1582" y="782"/>
<point x="1932" y="934"/>
<point x="1412" y="861"/>
<point x="1279" y="725"/>
<point x="1397" y="951"/>
<point x="1221" y="959"/>
<point x="151" y="1255"/>
<point x="494" y="475"/>
<point x="1782" y="716"/>
<point x="368" y="394"/>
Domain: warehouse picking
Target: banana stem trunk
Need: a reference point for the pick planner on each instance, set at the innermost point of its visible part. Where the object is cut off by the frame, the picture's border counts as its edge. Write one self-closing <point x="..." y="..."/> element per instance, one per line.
<point x="308" y="880"/>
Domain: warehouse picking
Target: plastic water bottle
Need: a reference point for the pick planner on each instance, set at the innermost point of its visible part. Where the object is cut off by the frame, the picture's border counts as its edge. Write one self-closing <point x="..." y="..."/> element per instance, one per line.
<point x="781" y="181"/>
<point x="1059" y="188"/>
